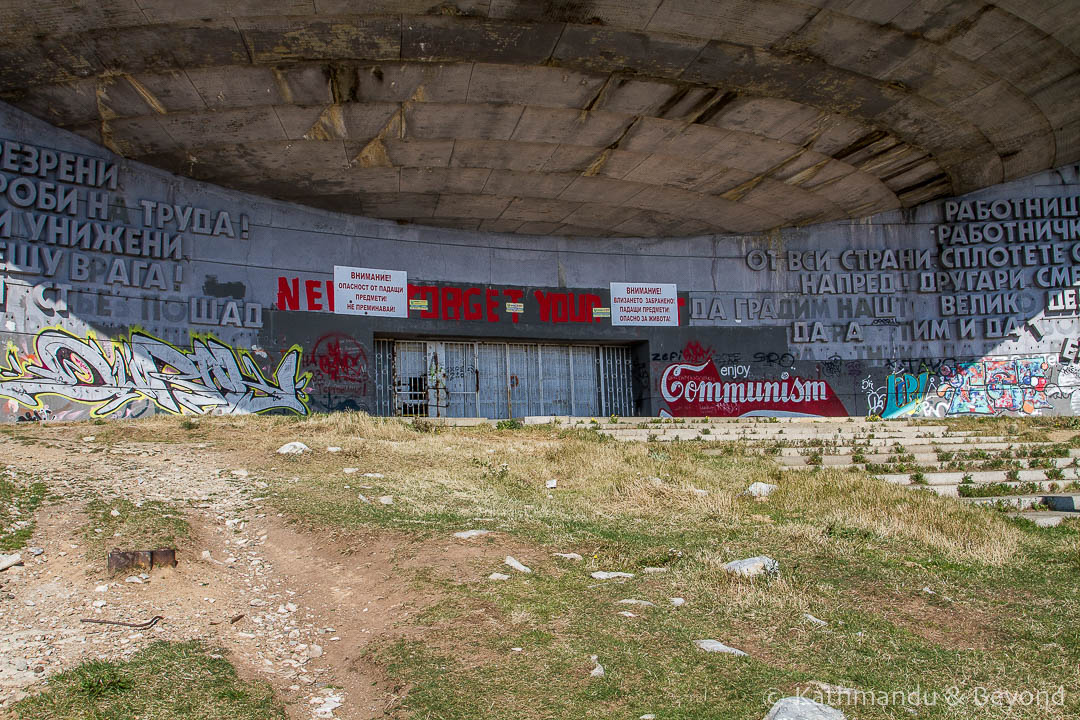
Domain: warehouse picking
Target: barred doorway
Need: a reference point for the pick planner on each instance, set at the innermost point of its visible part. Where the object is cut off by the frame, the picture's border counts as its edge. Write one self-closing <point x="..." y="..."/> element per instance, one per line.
<point x="435" y="378"/>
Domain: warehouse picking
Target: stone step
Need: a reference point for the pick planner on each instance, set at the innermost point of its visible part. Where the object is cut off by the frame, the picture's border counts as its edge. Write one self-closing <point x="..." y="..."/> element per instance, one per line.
<point x="1046" y="518"/>
<point x="1069" y="503"/>
<point x="981" y="477"/>
<point x="923" y="460"/>
<point x="954" y="489"/>
<point x="991" y="444"/>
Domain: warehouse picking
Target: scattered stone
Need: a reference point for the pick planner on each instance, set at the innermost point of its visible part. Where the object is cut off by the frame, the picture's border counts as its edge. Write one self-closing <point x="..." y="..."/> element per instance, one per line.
<point x="515" y="649"/>
<point x="516" y="565"/>
<point x="761" y="489"/>
<point x="551" y="484"/>
<point x="114" y="512"/>
<point x="715" y="646"/>
<point x="293" y="448"/>
<point x="498" y="576"/>
<point x="698" y="492"/>
<point x="928" y="591"/>
<point x="802" y="708"/>
<point x="647" y="716"/>
<point x="36" y="551"/>
<point x="568" y="556"/>
<point x="314" y="651"/>
<point x="363" y="498"/>
<point x="329" y="704"/>
<point x="753" y="567"/>
<point x="598" y="671"/>
<point x="333" y="449"/>
<point x="20" y="665"/>
<point x="29" y="603"/>
<point x="386" y="499"/>
<point x="605" y="575"/>
<point x="654" y="570"/>
<point x="134" y="579"/>
<point x="350" y="471"/>
<point x="470" y="534"/>
<point x="88" y="438"/>
<point x="635" y="601"/>
<point x="100" y="603"/>
<point x="374" y="475"/>
<point x="816" y="621"/>
<point x="240" y="473"/>
<point x="627" y="613"/>
<point x="677" y="602"/>
<point x="7" y="561"/>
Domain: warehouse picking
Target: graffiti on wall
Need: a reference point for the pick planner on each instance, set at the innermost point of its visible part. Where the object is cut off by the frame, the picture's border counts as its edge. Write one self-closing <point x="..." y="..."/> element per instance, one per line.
<point x="727" y="391"/>
<point x="211" y="377"/>
<point x="339" y="372"/>
<point x="1021" y="386"/>
<point x="988" y="387"/>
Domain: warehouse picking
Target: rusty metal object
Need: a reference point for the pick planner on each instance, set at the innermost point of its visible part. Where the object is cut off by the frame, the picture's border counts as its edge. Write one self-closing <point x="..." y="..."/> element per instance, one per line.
<point x="138" y="626"/>
<point x="121" y="560"/>
<point x="165" y="557"/>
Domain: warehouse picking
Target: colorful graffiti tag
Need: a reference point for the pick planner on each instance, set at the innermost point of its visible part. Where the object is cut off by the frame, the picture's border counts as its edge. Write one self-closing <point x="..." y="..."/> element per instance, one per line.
<point x="996" y="386"/>
<point x="903" y="395"/>
<point x="699" y="390"/>
<point x="339" y="368"/>
<point x="210" y="377"/>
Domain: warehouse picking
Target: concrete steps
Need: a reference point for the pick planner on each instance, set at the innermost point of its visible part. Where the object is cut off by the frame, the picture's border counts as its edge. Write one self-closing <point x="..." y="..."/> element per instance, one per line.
<point x="925" y="460"/>
<point x="1046" y="518"/>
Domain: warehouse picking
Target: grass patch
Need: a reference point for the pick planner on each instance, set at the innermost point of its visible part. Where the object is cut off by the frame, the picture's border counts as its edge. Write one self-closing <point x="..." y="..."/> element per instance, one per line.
<point x="165" y="681"/>
<point x="146" y="526"/>
<point x="20" y="497"/>
<point x="853" y="550"/>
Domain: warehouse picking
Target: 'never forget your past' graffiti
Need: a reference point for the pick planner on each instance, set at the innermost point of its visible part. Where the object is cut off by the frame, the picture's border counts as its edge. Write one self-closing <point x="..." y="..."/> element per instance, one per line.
<point x="210" y="377"/>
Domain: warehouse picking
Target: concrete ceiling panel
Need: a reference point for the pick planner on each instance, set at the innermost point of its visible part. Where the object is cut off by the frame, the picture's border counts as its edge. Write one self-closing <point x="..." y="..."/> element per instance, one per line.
<point x="543" y="86"/>
<point x="444" y="180"/>
<point x="416" y="82"/>
<point x="526" y="184"/>
<point x="472" y="122"/>
<point x="472" y="206"/>
<point x="296" y="38"/>
<point x="746" y="22"/>
<point x="463" y="39"/>
<point x="520" y="157"/>
<point x="603" y="50"/>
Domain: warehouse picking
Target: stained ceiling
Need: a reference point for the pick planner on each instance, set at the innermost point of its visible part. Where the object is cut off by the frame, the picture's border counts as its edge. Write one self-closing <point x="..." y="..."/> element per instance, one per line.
<point x="580" y="117"/>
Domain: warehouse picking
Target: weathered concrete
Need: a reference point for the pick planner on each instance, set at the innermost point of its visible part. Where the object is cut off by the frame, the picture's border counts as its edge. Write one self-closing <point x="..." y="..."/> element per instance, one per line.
<point x="702" y="117"/>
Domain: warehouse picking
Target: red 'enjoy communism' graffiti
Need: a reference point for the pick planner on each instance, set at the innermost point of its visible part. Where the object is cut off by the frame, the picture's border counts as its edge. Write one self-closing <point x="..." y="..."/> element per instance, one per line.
<point x="698" y="390"/>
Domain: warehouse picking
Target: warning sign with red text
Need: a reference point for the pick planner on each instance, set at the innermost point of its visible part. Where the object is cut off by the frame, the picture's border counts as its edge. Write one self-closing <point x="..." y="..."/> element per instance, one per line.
<point x="644" y="304"/>
<point x="366" y="291"/>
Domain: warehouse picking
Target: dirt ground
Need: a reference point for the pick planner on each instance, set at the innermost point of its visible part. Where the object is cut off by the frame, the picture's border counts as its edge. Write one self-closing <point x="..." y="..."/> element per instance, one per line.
<point x="296" y="608"/>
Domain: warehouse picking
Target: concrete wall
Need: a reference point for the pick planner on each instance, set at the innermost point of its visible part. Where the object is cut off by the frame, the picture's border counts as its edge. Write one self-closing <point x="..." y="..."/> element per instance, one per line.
<point x="226" y="309"/>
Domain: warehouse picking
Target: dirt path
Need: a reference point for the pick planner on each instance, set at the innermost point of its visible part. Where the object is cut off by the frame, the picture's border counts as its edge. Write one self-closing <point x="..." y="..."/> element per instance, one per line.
<point x="308" y="610"/>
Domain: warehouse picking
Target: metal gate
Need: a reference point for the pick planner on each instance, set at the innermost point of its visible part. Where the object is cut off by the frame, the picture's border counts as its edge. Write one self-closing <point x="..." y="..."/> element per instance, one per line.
<point x="435" y="378"/>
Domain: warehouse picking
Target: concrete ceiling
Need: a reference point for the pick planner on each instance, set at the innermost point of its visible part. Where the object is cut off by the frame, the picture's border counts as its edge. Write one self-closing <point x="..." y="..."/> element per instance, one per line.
<point x="573" y="117"/>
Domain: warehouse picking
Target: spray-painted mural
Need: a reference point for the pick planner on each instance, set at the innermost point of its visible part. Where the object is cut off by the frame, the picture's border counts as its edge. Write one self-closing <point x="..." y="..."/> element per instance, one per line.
<point x="106" y="376"/>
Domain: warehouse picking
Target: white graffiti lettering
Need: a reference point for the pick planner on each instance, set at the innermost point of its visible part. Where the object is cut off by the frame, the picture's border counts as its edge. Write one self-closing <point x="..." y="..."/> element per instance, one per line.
<point x="211" y="377"/>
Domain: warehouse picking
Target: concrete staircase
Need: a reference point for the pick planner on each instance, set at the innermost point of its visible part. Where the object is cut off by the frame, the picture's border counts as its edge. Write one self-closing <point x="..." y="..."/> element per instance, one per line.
<point x="1036" y="480"/>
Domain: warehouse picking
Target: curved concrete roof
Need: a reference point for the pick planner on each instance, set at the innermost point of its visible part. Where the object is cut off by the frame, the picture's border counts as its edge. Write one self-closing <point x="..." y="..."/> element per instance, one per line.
<point x="576" y="117"/>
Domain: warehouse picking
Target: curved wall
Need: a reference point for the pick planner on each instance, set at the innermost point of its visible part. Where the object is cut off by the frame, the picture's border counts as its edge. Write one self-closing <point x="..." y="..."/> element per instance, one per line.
<point x="127" y="290"/>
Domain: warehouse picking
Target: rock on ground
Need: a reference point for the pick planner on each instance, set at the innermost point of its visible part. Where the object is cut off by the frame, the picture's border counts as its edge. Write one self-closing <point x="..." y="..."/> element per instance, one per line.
<point x="469" y="534"/>
<point x="568" y="556"/>
<point x="293" y="448"/>
<point x="801" y="708"/>
<point x="516" y="565"/>
<point x="498" y="576"/>
<point x="7" y="561"/>
<point x="761" y="489"/>
<point x="716" y="646"/>
<point x="605" y="575"/>
<point x="753" y="567"/>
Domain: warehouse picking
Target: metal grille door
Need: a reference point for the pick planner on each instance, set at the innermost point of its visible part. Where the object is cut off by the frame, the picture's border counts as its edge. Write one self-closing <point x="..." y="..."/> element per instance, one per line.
<point x="434" y="378"/>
